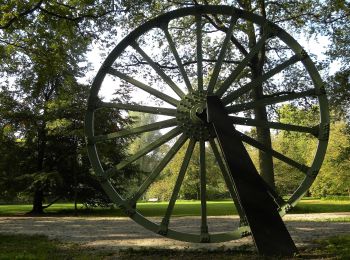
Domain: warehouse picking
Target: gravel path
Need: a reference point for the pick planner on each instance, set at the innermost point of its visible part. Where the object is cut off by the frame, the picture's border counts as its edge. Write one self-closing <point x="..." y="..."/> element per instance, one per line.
<point x="120" y="233"/>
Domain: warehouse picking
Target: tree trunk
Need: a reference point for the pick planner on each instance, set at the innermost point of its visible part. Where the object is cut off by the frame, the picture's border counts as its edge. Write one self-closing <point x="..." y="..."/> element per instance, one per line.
<point x="39" y="193"/>
<point x="264" y="137"/>
<point x="75" y="200"/>
<point x="38" y="202"/>
<point x="263" y="134"/>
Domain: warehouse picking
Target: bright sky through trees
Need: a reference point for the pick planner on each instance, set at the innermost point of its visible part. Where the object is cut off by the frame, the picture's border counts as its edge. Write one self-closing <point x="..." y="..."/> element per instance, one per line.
<point x="316" y="45"/>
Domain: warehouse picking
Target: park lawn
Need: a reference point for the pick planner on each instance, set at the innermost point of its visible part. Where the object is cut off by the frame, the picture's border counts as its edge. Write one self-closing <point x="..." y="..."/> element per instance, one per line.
<point x="182" y="208"/>
<point x="321" y="206"/>
<point x="40" y="247"/>
<point x="20" y="209"/>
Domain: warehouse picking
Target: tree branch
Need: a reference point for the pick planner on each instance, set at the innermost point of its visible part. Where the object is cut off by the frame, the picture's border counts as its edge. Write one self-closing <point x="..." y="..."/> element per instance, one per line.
<point x="52" y="202"/>
<point x="184" y="64"/>
<point x="224" y="29"/>
<point x="78" y="18"/>
<point x="13" y="44"/>
<point x="11" y="21"/>
<point x="66" y="5"/>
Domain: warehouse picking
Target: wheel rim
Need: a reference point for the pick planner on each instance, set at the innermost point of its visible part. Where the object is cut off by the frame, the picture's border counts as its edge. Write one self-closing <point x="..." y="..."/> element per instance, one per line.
<point x="188" y="100"/>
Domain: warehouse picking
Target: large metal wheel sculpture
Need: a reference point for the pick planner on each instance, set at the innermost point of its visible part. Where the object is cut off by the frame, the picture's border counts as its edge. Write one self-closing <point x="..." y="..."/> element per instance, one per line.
<point x="185" y="99"/>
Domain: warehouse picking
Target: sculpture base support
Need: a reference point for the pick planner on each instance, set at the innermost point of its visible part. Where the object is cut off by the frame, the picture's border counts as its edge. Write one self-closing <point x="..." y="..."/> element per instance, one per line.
<point x="270" y="235"/>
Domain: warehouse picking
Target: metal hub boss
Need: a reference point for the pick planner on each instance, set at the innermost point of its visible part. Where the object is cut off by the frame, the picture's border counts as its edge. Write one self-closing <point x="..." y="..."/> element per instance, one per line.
<point x="188" y="110"/>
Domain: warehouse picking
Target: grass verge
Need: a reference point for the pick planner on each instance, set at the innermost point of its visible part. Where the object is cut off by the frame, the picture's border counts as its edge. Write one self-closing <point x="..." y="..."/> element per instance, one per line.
<point x="40" y="247"/>
<point x="182" y="208"/>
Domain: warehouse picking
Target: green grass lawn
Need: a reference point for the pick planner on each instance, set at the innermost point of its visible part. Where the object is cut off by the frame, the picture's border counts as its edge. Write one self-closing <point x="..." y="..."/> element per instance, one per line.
<point x="182" y="208"/>
<point x="40" y="247"/>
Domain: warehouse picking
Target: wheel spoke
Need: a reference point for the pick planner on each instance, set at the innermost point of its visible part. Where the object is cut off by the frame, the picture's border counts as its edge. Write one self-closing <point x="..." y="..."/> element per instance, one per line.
<point x="151" y="178"/>
<point x="165" y="138"/>
<point x="228" y="180"/>
<point x="144" y="87"/>
<point x="274" y="125"/>
<point x="177" y="58"/>
<point x="199" y="52"/>
<point x="303" y="168"/>
<point x="139" y="108"/>
<point x="160" y="72"/>
<point x="180" y="177"/>
<point x="269" y="101"/>
<point x="221" y="56"/>
<point x="203" y="189"/>
<point x="136" y="130"/>
<point x="258" y="81"/>
<point x="227" y="83"/>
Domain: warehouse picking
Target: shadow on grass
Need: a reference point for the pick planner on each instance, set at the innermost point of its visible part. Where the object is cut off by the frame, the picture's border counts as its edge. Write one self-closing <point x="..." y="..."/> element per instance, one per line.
<point x="40" y="247"/>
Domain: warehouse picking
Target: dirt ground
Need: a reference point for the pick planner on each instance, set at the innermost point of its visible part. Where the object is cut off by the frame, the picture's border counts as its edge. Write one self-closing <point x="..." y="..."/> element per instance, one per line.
<point x="115" y="233"/>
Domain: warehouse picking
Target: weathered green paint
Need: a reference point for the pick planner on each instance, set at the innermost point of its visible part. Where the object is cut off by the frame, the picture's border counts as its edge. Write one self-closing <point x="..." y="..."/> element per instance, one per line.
<point x="205" y="237"/>
<point x="184" y="116"/>
<point x="199" y="52"/>
<point x="188" y="120"/>
<point x="145" y="109"/>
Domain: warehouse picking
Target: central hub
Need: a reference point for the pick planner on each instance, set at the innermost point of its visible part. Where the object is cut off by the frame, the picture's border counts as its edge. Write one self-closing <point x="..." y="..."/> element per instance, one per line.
<point x="195" y="110"/>
<point x="188" y="110"/>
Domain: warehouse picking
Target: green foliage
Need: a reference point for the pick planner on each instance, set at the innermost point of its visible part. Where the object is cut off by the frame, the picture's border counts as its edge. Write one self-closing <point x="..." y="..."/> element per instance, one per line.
<point x="43" y="50"/>
<point x="216" y="187"/>
<point x="297" y="146"/>
<point x="340" y="93"/>
<point x="334" y="177"/>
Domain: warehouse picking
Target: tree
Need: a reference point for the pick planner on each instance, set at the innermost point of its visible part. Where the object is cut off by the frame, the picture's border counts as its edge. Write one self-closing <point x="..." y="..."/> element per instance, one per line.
<point x="190" y="188"/>
<point x="43" y="46"/>
<point x="334" y="178"/>
<point x="300" y="147"/>
<point x="331" y="19"/>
